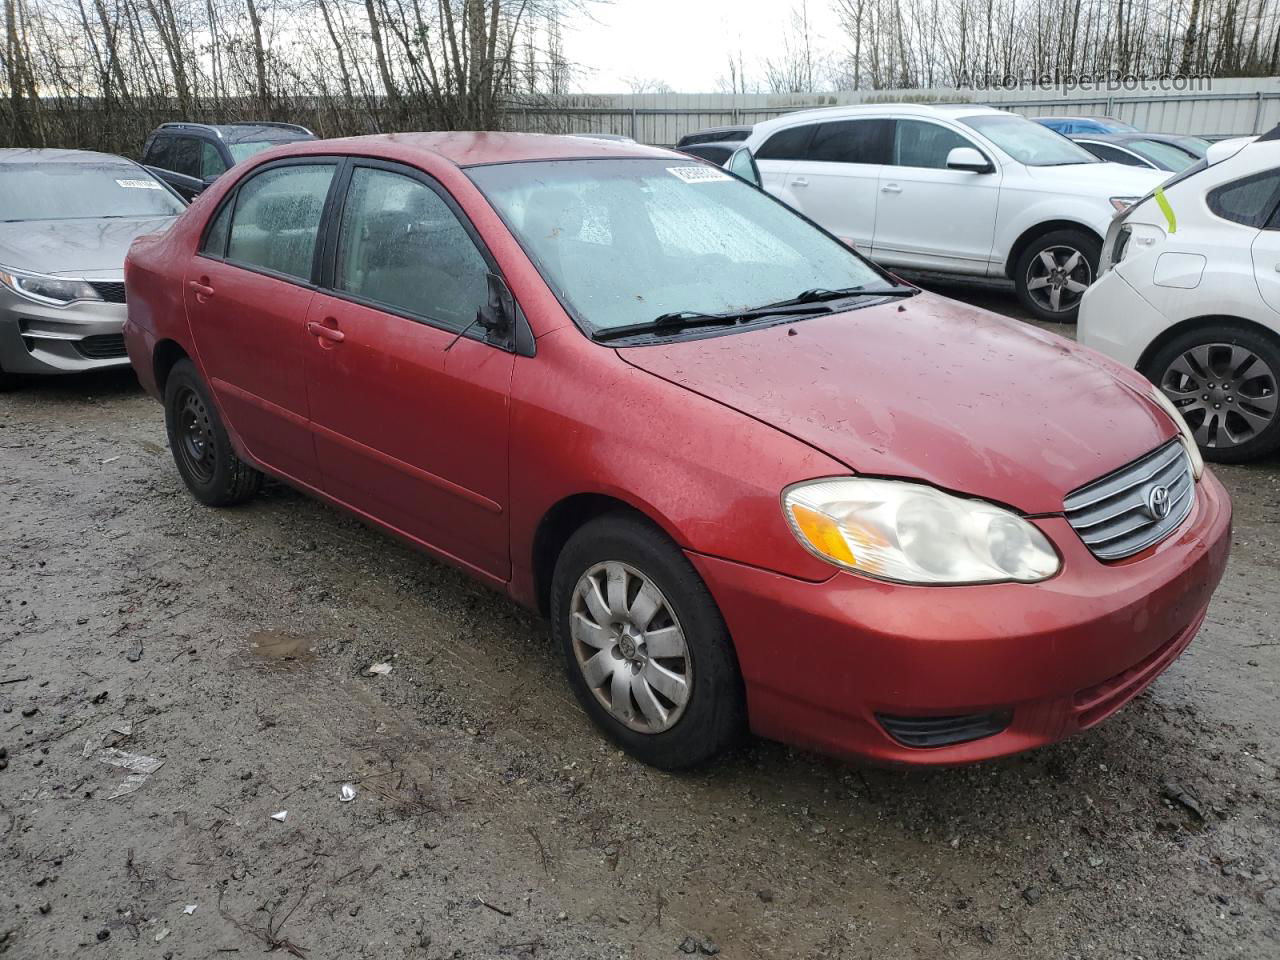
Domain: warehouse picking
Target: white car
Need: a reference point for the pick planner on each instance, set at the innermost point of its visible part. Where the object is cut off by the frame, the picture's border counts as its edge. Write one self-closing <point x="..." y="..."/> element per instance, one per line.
<point x="955" y="189"/>
<point x="1189" y="293"/>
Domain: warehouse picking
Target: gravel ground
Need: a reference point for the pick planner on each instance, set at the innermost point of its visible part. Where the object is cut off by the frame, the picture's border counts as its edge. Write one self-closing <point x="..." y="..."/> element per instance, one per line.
<point x="489" y="819"/>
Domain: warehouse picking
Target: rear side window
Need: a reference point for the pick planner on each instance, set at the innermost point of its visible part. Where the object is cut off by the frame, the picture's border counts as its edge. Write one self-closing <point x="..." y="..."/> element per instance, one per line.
<point x="185" y="158"/>
<point x="401" y="246"/>
<point x="918" y="143"/>
<point x="1105" y="151"/>
<point x="790" y="144"/>
<point x="277" y="218"/>
<point x="853" y="141"/>
<point x="1251" y="201"/>
<point x="161" y="153"/>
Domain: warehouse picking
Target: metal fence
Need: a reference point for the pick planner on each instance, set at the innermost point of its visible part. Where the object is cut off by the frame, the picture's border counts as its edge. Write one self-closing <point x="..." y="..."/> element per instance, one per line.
<point x="1230" y="107"/>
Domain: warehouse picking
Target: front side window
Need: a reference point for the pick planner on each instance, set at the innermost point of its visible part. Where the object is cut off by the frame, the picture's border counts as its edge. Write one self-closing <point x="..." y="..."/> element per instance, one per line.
<point x="401" y="246"/>
<point x="211" y="163"/>
<point x="185" y="158"/>
<point x="277" y="218"/>
<point x="918" y="143"/>
<point x="1027" y="141"/>
<point x="97" y="187"/>
<point x="623" y="241"/>
<point x="853" y="141"/>
<point x="1104" y="151"/>
<point x="1250" y="201"/>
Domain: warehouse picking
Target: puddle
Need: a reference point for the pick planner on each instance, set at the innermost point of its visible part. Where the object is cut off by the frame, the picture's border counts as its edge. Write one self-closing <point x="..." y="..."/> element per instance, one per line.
<point x="280" y="646"/>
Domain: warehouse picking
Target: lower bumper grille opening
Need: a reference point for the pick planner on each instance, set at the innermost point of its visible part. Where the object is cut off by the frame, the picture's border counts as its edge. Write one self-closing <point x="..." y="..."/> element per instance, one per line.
<point x="106" y="346"/>
<point x="944" y="731"/>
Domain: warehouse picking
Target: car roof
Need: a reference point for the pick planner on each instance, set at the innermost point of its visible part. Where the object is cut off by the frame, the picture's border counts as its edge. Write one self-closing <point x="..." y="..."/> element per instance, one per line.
<point x="57" y="155"/>
<point x="877" y="109"/>
<point x="240" y="132"/>
<point x="1123" y="138"/>
<point x="1095" y="119"/>
<point x="468" y="149"/>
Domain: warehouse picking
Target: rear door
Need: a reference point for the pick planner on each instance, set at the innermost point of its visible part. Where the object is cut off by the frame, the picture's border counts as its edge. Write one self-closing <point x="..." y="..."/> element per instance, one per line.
<point x="928" y="216"/>
<point x="248" y="291"/>
<point x="409" y="402"/>
<point x="837" y="181"/>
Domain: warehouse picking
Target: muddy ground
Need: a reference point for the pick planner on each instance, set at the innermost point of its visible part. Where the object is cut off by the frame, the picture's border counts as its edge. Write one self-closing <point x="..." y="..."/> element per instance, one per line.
<point x="489" y="819"/>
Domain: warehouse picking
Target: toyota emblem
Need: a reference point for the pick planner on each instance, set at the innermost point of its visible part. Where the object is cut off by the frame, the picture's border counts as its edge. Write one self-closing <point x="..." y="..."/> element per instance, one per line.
<point x="1158" y="502"/>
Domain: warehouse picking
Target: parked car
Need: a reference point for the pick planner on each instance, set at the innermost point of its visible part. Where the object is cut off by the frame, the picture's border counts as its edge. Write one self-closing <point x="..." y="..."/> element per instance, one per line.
<point x="1190" y="295"/>
<point x="750" y="477"/>
<point x="67" y="218"/>
<point x="732" y="134"/>
<point x="1153" y="151"/>
<point x="956" y="189"/>
<point x="190" y="156"/>
<point x="1072" y="125"/>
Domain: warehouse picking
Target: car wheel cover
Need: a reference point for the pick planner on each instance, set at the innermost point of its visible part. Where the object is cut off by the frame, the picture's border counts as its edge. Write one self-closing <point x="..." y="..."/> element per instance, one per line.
<point x="1225" y="392"/>
<point x="194" y="436"/>
<point x="630" y="647"/>
<point x="1057" y="277"/>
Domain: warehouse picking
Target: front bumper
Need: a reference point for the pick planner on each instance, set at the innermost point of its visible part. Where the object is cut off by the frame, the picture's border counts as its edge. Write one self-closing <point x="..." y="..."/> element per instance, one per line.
<point x="35" y="338"/>
<point x="1117" y="321"/>
<point x="822" y="660"/>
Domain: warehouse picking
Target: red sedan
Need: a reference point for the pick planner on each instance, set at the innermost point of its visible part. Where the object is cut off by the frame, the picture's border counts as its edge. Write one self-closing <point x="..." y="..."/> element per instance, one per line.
<point x="752" y="479"/>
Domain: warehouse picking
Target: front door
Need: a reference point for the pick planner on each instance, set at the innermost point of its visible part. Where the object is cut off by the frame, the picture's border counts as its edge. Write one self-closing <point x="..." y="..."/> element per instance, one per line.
<point x="931" y="217"/>
<point x="409" y="403"/>
<point x="248" y="290"/>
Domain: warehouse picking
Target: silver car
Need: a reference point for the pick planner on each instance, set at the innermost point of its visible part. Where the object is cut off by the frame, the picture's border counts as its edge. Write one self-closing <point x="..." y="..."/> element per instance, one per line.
<point x="67" y="218"/>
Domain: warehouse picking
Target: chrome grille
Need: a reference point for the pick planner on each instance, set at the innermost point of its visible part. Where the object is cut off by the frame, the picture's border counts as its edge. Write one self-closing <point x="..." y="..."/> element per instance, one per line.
<point x="1120" y="514"/>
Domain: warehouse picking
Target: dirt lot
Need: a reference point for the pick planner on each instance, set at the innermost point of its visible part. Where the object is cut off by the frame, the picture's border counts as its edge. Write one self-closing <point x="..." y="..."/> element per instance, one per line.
<point x="489" y="819"/>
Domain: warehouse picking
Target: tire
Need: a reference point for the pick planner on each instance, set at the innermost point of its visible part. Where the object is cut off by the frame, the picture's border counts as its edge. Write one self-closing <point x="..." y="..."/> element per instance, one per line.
<point x="201" y="448"/>
<point x="711" y="717"/>
<point x="1229" y="400"/>
<point x="1031" y="270"/>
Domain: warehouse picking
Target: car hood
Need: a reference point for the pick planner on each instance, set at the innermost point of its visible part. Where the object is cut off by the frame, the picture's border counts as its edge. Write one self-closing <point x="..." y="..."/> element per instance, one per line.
<point x="91" y="248"/>
<point x="933" y="390"/>
<point x="1100" y="179"/>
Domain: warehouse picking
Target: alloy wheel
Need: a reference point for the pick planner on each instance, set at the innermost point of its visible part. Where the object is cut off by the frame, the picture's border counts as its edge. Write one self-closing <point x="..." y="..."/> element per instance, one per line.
<point x="630" y="647"/>
<point x="1058" y="277"/>
<point x="1225" y="392"/>
<point x="195" y="436"/>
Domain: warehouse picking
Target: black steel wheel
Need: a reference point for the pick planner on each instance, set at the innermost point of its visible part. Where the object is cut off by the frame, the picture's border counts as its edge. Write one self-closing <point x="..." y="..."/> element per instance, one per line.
<point x="202" y="451"/>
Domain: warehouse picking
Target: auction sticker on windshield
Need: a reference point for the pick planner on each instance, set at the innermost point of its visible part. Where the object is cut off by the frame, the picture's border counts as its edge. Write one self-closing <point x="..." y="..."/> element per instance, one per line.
<point x="698" y="174"/>
<point x="139" y="184"/>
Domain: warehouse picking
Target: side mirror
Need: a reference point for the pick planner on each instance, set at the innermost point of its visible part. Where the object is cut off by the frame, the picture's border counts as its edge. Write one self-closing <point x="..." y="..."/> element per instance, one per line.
<point x="498" y="314"/>
<point x="967" y="158"/>
<point x="743" y="164"/>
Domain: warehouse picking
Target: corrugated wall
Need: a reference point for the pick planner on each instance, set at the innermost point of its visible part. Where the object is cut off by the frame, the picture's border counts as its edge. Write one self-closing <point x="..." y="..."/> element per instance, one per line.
<point x="1228" y="107"/>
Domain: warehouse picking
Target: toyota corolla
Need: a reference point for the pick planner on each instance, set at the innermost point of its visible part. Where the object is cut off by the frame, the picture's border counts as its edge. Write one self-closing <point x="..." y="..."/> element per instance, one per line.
<point x="754" y="481"/>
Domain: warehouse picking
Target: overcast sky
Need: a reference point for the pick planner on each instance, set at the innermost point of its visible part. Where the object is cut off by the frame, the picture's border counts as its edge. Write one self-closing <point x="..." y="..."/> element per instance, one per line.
<point x="684" y="42"/>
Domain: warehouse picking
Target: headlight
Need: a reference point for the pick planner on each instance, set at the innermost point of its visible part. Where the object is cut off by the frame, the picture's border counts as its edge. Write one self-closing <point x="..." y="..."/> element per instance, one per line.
<point x="1123" y="203"/>
<point x="911" y="533"/>
<point x="1188" y="438"/>
<point x="51" y="290"/>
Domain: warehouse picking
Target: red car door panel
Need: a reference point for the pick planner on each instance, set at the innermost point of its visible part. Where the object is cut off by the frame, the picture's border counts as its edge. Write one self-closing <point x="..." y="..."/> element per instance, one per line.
<point x="412" y="435"/>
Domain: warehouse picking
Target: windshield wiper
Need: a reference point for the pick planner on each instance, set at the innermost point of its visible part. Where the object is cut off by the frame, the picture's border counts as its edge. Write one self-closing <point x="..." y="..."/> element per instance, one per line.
<point x="822" y="295"/>
<point x="683" y="319"/>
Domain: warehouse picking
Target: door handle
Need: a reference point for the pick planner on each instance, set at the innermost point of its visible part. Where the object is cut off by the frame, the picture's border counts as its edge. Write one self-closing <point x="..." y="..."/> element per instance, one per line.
<point x="799" y="182"/>
<point x="201" y="288"/>
<point x="891" y="188"/>
<point x="325" y="333"/>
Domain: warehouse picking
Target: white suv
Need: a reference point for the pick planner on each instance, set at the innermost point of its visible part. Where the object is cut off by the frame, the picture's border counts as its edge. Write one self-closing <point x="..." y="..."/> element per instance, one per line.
<point x="954" y="189"/>
<point x="1189" y="293"/>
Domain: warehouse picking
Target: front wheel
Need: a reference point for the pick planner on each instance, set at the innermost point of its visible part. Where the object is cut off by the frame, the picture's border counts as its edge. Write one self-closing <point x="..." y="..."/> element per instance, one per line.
<point x="1054" y="271"/>
<point x="647" y="652"/>
<point x="1225" y="380"/>
<point x="200" y="445"/>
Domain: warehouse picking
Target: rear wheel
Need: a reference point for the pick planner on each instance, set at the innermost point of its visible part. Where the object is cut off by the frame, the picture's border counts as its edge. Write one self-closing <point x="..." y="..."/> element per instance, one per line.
<point x="647" y="652"/>
<point x="1054" y="271"/>
<point x="1225" y="379"/>
<point x="200" y="445"/>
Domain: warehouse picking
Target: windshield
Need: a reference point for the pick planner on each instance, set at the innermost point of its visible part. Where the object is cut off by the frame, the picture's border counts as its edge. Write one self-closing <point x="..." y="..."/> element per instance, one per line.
<point x="243" y="151"/>
<point x="1029" y="142"/>
<point x="1166" y="154"/>
<point x="625" y="241"/>
<point x="82" y="190"/>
